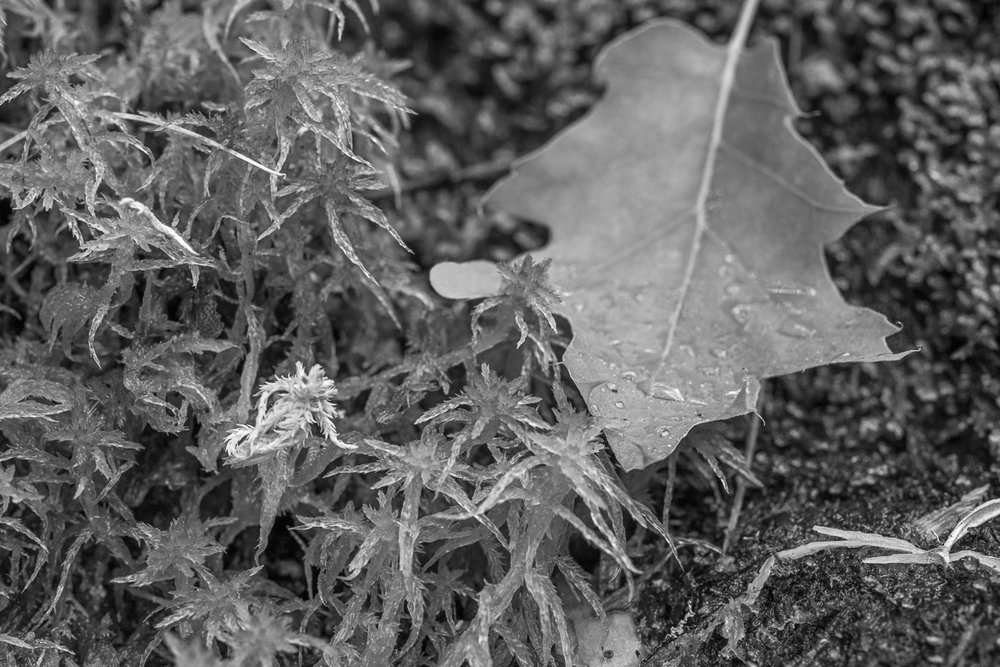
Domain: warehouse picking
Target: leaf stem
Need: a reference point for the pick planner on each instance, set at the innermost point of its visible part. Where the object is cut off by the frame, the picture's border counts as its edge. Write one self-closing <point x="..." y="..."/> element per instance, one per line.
<point x="741" y="33"/>
<point x="750" y="449"/>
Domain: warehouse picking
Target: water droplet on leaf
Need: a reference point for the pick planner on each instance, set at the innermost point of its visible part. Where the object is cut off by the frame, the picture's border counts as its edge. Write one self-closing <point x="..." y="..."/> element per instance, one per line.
<point x="796" y="329"/>
<point x="661" y="390"/>
<point x="741" y="312"/>
<point x="789" y="289"/>
<point x="710" y="371"/>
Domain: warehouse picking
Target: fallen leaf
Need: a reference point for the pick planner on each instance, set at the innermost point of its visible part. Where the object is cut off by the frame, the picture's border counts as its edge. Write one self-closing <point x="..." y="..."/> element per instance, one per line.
<point x="687" y="221"/>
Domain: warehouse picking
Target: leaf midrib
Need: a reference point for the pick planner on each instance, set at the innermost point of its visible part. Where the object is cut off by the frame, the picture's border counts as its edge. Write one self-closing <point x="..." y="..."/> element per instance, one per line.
<point x="726" y="85"/>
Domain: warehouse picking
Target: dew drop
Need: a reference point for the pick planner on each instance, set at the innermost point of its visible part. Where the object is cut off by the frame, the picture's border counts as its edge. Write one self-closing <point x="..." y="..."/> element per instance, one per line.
<point x="619" y="404"/>
<point x="789" y="289"/>
<point x="741" y="312"/>
<point x="795" y="329"/>
<point x="720" y="353"/>
<point x="710" y="371"/>
<point x="578" y="307"/>
<point x="665" y="392"/>
<point x="663" y="432"/>
<point x="612" y="387"/>
<point x="734" y="289"/>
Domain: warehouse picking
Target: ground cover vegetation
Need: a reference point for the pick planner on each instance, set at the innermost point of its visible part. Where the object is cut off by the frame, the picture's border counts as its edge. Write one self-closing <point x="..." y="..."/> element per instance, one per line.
<point x="239" y="427"/>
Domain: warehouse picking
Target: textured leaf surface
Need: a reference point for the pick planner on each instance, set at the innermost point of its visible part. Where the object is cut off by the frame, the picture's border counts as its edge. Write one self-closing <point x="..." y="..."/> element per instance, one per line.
<point x="688" y="220"/>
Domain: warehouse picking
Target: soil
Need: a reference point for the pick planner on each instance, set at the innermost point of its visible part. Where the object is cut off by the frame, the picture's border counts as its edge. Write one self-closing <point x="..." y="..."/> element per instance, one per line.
<point x="902" y="98"/>
<point x="832" y="609"/>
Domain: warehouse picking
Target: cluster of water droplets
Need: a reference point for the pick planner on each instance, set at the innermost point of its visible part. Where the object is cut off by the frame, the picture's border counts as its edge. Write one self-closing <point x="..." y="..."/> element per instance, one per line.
<point x="708" y="352"/>
<point x="744" y="298"/>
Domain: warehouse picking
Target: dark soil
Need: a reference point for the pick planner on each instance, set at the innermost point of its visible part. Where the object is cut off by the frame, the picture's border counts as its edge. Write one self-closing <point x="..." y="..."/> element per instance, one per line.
<point x="831" y="609"/>
<point x="904" y="103"/>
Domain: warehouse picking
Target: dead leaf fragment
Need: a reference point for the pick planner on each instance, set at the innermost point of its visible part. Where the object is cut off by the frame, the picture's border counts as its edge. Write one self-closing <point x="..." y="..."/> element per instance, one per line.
<point x="611" y="644"/>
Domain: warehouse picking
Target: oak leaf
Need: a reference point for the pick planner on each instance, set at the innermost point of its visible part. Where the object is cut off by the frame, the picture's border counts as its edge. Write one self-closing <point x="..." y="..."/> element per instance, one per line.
<point x="687" y="221"/>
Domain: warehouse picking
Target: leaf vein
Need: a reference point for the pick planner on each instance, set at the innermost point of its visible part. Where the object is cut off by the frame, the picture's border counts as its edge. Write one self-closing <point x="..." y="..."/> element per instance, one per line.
<point x="784" y="183"/>
<point x="733" y="52"/>
<point x="642" y="241"/>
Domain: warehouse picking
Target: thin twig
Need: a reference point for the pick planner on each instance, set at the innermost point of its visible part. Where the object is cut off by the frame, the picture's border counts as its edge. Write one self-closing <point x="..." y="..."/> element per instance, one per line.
<point x="13" y="140"/>
<point x="750" y="447"/>
<point x="958" y="653"/>
<point x="668" y="493"/>
<point x="484" y="171"/>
